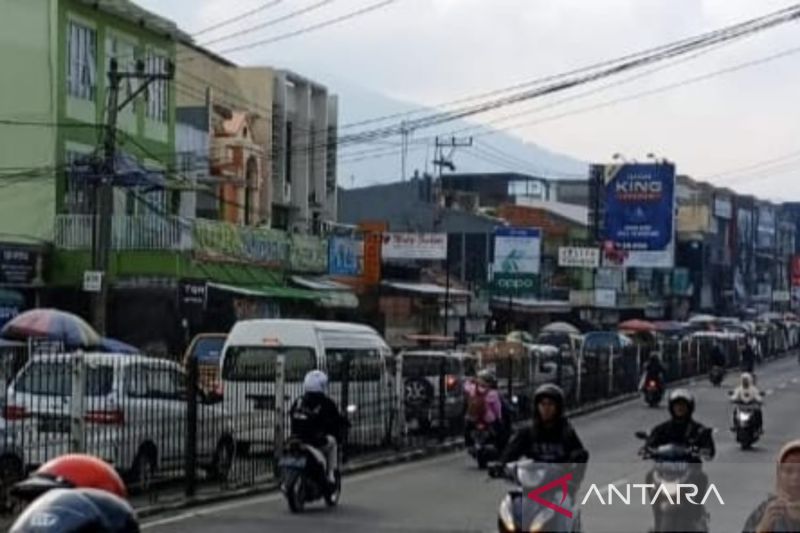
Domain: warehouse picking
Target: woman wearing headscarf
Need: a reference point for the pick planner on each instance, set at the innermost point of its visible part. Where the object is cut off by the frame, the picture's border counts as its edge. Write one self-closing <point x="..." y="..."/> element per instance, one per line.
<point x="780" y="512"/>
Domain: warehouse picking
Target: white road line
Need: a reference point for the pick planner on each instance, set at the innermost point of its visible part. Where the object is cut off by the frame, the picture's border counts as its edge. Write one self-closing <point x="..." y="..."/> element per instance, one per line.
<point x="267" y="498"/>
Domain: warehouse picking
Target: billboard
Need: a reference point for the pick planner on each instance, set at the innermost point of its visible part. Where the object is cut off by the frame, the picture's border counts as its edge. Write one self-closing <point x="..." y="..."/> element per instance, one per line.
<point x="427" y="246"/>
<point x="517" y="259"/>
<point x="345" y="255"/>
<point x="639" y="214"/>
<point x="578" y="257"/>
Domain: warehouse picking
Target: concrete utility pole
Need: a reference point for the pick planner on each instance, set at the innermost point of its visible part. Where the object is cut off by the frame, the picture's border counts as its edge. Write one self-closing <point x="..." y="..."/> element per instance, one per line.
<point x="104" y="191"/>
<point x="441" y="161"/>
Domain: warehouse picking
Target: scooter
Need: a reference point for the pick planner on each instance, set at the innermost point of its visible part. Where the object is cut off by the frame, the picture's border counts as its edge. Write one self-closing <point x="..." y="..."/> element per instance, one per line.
<point x="673" y="467"/>
<point x="744" y="424"/>
<point x="484" y="445"/>
<point x="518" y="512"/>
<point x="653" y="392"/>
<point x="303" y="479"/>
<point x="716" y="375"/>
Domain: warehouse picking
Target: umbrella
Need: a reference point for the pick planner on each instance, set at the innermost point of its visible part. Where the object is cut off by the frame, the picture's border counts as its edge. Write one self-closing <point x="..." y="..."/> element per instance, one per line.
<point x="107" y="344"/>
<point x="668" y="326"/>
<point x="636" y="326"/>
<point x="561" y="327"/>
<point x="53" y="325"/>
<point x="698" y="319"/>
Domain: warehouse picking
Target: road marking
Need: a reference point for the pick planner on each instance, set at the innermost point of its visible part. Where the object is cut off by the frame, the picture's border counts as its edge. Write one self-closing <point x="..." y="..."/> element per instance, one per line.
<point x="272" y="497"/>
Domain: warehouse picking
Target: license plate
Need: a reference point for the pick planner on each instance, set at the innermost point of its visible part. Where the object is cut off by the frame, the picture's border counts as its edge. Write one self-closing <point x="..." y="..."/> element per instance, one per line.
<point x="54" y="425"/>
<point x="293" y="462"/>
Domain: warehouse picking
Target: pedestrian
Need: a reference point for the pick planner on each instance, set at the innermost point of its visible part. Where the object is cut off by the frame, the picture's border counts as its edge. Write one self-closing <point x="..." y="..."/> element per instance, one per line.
<point x="780" y="512"/>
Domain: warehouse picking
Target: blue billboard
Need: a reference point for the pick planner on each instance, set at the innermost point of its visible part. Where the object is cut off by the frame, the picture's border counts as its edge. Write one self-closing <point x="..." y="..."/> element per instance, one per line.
<point x="344" y="256"/>
<point x="640" y="212"/>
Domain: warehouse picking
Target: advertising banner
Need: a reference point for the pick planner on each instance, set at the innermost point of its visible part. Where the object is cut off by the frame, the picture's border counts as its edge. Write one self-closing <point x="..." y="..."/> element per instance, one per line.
<point x="639" y="228"/>
<point x="605" y="298"/>
<point x="427" y="246"/>
<point x="517" y="259"/>
<point x="308" y="253"/>
<point x="223" y="241"/>
<point x="18" y="266"/>
<point x="345" y="255"/>
<point x="723" y="207"/>
<point x="578" y="257"/>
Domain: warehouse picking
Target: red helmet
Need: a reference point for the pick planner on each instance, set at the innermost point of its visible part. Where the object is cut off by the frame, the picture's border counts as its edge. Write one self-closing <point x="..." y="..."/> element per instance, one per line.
<point x="72" y="471"/>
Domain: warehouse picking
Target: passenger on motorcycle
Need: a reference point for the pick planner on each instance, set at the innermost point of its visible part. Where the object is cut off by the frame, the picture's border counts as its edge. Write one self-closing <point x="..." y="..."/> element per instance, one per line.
<point x="550" y="439"/>
<point x="682" y="430"/>
<point x="747" y="394"/>
<point x="317" y="421"/>
<point x="484" y="405"/>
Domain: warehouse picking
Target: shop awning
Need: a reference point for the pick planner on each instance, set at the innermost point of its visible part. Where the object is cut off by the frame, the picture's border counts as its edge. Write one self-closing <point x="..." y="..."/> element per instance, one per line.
<point x="531" y="305"/>
<point x="332" y="294"/>
<point x="427" y="289"/>
<point x="267" y="291"/>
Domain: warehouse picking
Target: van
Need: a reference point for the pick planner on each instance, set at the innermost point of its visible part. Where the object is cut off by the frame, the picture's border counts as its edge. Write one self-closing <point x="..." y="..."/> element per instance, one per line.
<point x="354" y="356"/>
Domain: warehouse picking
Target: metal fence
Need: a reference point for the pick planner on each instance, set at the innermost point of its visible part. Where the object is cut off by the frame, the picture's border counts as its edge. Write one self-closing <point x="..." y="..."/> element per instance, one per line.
<point x="170" y="434"/>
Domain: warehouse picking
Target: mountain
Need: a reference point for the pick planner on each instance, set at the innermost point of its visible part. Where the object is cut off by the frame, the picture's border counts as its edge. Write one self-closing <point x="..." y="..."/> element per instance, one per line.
<point x="380" y="162"/>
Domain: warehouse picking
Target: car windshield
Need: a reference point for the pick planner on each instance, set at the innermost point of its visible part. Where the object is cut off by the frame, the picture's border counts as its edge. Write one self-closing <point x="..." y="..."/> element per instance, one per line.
<point x="207" y="350"/>
<point x="55" y="379"/>
<point x="257" y="363"/>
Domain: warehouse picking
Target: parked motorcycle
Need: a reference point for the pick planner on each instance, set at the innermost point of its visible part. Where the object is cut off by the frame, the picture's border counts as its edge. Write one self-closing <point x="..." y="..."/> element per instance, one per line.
<point x="716" y="375"/>
<point x="519" y="513"/>
<point x="484" y="445"/>
<point x="674" y="465"/>
<point x="653" y="392"/>
<point x="745" y="424"/>
<point x="303" y="479"/>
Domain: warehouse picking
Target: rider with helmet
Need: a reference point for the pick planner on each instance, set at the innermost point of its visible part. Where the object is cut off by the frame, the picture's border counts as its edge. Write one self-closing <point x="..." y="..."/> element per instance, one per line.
<point x="551" y="438"/>
<point x="484" y="404"/>
<point x="317" y="421"/>
<point x="74" y="494"/>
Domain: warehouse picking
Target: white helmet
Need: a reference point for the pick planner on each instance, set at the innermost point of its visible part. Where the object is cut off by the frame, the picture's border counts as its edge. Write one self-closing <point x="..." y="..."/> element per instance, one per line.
<point x="315" y="381"/>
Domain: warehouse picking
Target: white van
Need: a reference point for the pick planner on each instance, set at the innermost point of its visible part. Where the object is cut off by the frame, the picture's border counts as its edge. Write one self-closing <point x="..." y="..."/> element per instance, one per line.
<point x="341" y="349"/>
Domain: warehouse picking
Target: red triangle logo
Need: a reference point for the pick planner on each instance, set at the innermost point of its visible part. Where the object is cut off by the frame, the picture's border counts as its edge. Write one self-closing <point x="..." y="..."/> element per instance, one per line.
<point x="563" y="483"/>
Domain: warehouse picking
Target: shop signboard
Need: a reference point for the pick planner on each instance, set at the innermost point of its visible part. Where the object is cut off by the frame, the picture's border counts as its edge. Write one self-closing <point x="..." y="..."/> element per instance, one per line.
<point x="18" y="266"/>
<point x="578" y="257"/>
<point x="308" y="253"/>
<point x="345" y="256"/>
<point x="422" y="246"/>
<point x="226" y="242"/>
<point x="517" y="261"/>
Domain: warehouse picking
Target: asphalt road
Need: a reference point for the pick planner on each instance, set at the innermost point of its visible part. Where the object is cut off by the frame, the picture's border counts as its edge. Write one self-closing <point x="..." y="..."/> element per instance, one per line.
<point x="448" y="493"/>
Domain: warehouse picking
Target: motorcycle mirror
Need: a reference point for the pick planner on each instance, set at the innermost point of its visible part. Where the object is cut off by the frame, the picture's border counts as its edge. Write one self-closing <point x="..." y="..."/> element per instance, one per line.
<point x="641" y="435"/>
<point x="351" y="409"/>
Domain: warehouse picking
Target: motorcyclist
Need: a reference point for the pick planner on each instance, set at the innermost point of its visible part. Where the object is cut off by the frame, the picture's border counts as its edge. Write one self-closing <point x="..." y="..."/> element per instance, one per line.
<point x="74" y="493"/>
<point x="748" y="358"/>
<point x="317" y="421"/>
<point x="653" y="370"/>
<point x="718" y="356"/>
<point x="747" y="394"/>
<point x="551" y="438"/>
<point x="682" y="430"/>
<point x="484" y="405"/>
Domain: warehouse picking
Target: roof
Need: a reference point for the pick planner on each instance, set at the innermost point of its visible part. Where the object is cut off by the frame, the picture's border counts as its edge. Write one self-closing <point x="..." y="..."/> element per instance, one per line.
<point x="532" y="304"/>
<point x="344" y="327"/>
<point x="127" y="10"/>
<point x="430" y="289"/>
<point x="101" y="357"/>
<point x="320" y="284"/>
<point x="574" y="213"/>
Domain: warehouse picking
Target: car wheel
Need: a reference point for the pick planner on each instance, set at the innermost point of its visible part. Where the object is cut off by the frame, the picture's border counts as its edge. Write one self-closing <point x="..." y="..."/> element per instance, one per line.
<point x="143" y="471"/>
<point x="223" y="460"/>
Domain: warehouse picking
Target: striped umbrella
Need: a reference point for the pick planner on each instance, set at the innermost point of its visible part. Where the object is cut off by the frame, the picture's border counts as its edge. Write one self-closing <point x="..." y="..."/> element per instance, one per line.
<point x="52" y="325"/>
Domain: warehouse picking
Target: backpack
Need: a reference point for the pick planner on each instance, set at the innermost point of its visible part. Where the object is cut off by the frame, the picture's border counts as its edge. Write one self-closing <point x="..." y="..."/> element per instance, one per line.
<point x="476" y="407"/>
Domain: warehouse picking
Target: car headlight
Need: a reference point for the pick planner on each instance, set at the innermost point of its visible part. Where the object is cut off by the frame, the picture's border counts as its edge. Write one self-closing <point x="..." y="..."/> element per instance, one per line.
<point x="541" y="520"/>
<point x="506" y="516"/>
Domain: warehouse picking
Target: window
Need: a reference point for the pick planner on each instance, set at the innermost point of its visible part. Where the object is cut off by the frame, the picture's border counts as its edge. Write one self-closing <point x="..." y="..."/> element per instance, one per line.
<point x="245" y="363"/>
<point x="125" y="54"/>
<point x="208" y="350"/>
<point x="55" y="379"/>
<point x="81" y="61"/>
<point x="156" y="382"/>
<point x="358" y="364"/>
<point x="158" y="94"/>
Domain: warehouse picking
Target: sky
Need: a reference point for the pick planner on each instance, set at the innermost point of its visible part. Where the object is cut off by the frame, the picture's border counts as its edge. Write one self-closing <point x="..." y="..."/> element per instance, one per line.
<point x="427" y="52"/>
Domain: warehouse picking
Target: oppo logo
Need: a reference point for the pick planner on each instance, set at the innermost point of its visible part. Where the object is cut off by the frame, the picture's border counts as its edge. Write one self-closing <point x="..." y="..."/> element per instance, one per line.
<point x="515" y="283"/>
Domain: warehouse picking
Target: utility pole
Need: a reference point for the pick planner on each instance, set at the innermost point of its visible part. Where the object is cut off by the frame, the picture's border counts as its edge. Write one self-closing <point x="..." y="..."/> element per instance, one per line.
<point x="104" y="191"/>
<point x="405" y="132"/>
<point x="441" y="160"/>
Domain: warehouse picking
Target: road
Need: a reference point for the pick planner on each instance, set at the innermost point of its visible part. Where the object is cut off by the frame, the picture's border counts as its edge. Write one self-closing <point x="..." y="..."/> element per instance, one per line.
<point x="448" y="493"/>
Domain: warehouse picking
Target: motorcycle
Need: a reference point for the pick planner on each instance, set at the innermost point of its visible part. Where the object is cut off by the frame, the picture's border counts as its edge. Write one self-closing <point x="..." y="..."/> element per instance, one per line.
<point x="652" y="392"/>
<point x="673" y="467"/>
<point x="519" y="513"/>
<point x="303" y="479"/>
<point x="484" y="445"/>
<point x="716" y="375"/>
<point x="744" y="424"/>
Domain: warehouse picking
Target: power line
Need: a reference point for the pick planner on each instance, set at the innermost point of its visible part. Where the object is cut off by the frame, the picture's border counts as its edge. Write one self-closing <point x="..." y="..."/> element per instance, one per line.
<point x="263" y="7"/>
<point x="267" y="24"/>
<point x="313" y="27"/>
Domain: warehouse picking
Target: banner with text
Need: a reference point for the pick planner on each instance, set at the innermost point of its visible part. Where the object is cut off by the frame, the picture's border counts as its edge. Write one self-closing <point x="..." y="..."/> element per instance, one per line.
<point x="226" y="242"/>
<point x="427" y="246"/>
<point x="578" y="257"/>
<point x="345" y="255"/>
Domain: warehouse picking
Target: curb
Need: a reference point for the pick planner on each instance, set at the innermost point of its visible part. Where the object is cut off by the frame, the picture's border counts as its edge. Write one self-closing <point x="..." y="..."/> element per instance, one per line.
<point x="416" y="454"/>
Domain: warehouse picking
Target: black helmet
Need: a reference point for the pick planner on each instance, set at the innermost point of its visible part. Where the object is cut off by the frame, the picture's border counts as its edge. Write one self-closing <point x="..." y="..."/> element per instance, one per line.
<point x="551" y="391"/>
<point x="77" y="511"/>
<point x="681" y="395"/>
<point x="488" y="375"/>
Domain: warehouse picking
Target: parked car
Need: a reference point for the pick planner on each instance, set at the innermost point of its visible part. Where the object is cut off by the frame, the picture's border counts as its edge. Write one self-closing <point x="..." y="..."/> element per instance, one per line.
<point x="135" y="413"/>
<point x="421" y="385"/>
<point x="206" y="349"/>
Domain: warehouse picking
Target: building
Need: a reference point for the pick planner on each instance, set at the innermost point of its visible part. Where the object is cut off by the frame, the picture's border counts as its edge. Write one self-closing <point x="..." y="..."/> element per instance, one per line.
<point x="497" y="188"/>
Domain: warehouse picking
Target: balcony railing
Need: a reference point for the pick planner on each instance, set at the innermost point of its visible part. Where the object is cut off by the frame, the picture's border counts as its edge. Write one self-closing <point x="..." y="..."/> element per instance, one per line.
<point x="148" y="232"/>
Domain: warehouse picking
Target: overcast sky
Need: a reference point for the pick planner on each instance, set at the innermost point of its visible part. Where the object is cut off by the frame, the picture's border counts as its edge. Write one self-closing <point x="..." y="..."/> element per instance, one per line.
<point x="432" y="51"/>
